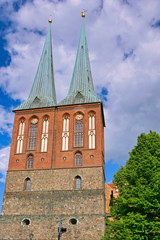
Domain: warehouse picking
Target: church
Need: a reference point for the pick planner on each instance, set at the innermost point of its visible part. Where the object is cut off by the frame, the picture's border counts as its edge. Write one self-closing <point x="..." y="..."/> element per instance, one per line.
<point x="55" y="184"/>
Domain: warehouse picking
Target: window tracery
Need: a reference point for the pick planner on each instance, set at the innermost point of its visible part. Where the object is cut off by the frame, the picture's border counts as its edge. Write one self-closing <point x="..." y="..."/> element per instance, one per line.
<point x="44" y="137"/>
<point x="92" y="131"/>
<point x="33" y="133"/>
<point x="78" y="159"/>
<point x="78" y="130"/>
<point x="65" y="133"/>
<point x="30" y="161"/>
<point x="20" y="136"/>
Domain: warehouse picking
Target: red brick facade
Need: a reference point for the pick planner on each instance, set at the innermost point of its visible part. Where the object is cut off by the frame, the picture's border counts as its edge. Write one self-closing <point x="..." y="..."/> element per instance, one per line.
<point x="54" y="157"/>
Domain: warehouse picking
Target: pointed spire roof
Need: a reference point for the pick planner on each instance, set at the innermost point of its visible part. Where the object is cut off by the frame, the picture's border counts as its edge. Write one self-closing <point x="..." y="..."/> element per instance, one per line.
<point x="81" y="88"/>
<point x="43" y="93"/>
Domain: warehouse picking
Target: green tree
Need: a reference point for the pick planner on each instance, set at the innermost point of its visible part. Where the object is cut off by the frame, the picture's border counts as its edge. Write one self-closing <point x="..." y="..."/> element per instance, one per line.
<point x="136" y="212"/>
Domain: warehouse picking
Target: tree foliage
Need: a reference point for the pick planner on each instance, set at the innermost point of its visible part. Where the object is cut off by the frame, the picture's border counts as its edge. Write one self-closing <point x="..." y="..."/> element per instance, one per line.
<point x="136" y="212"/>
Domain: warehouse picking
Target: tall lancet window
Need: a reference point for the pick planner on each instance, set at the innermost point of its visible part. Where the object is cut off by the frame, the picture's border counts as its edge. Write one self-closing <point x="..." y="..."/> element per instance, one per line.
<point x="27" y="184"/>
<point x="78" y="159"/>
<point x="78" y="182"/>
<point x="92" y="131"/>
<point x="44" y="137"/>
<point x="30" y="161"/>
<point x="33" y="133"/>
<point x="20" y="136"/>
<point x="65" y="133"/>
<point x="78" y="133"/>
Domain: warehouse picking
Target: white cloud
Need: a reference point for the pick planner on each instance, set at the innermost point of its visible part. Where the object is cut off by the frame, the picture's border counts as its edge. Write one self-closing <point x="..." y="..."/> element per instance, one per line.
<point x="6" y="121"/>
<point x="4" y="157"/>
<point x="113" y="29"/>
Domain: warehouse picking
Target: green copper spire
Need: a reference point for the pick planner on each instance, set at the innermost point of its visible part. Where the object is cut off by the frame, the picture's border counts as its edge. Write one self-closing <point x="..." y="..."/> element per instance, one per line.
<point x="81" y="89"/>
<point x="42" y="93"/>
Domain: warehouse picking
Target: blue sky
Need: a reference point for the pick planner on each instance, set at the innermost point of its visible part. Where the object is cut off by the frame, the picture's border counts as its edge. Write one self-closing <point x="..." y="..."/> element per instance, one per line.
<point x="124" y="46"/>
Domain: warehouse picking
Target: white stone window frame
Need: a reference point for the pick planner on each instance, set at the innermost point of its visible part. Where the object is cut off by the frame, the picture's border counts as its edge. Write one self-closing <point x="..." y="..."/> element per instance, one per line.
<point x="92" y="131"/>
<point x="65" y="133"/>
<point x="44" y="137"/>
<point x="20" y="137"/>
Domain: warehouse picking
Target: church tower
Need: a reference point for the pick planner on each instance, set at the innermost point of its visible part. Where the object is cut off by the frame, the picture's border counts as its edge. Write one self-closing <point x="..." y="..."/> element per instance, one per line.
<point x="56" y="165"/>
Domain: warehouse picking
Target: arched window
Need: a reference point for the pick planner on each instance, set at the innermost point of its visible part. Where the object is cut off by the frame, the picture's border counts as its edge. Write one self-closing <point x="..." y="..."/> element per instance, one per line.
<point x="44" y="135"/>
<point x="77" y="182"/>
<point x="78" y="159"/>
<point x="78" y="130"/>
<point x="92" y="131"/>
<point x="65" y="133"/>
<point x="27" y="184"/>
<point x="30" y="162"/>
<point x="20" y="136"/>
<point x="33" y="133"/>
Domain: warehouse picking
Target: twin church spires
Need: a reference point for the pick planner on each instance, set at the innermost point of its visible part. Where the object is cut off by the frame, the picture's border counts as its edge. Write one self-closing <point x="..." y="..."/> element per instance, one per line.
<point x="81" y="89"/>
<point x="56" y="166"/>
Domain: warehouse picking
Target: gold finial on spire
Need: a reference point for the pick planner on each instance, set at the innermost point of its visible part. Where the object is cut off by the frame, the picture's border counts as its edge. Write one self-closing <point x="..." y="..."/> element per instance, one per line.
<point x="83" y="13"/>
<point x="50" y="19"/>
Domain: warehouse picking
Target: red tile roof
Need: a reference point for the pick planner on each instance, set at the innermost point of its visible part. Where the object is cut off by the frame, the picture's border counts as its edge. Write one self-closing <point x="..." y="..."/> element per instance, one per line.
<point x="111" y="185"/>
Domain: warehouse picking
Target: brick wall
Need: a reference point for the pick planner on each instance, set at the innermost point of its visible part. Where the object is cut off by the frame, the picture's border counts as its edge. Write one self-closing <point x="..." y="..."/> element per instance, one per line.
<point x="55" y="179"/>
<point x="52" y="196"/>
<point x="54" y="157"/>
<point x="46" y="227"/>
<point x="55" y="202"/>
